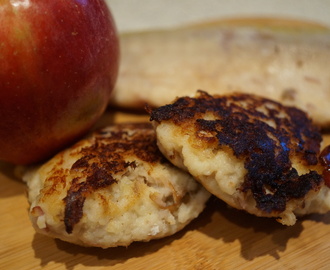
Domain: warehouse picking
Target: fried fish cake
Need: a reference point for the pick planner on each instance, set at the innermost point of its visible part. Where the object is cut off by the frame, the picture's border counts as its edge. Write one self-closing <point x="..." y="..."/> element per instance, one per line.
<point x="111" y="189"/>
<point x="251" y="152"/>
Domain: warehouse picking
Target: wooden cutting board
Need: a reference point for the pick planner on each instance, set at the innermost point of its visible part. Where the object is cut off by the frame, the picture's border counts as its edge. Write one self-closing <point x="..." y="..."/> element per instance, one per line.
<point x="220" y="238"/>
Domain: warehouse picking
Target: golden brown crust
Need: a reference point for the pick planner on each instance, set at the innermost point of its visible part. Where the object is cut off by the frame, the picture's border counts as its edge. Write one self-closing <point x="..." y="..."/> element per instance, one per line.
<point x="262" y="132"/>
<point x="111" y="189"/>
<point x="106" y="157"/>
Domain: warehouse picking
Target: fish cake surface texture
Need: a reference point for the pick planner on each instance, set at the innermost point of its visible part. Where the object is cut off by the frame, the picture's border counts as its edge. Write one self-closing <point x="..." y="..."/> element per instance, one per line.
<point x="253" y="153"/>
<point x="111" y="189"/>
<point x="283" y="60"/>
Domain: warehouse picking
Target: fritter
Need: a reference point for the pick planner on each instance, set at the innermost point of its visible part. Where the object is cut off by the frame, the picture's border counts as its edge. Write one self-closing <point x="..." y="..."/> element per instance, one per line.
<point x="251" y="152"/>
<point x="111" y="189"/>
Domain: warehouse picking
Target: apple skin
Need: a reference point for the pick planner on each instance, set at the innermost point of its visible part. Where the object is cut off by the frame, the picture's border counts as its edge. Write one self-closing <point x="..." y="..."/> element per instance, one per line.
<point x="59" y="62"/>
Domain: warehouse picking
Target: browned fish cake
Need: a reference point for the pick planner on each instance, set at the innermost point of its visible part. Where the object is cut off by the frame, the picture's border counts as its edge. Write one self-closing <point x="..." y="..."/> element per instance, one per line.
<point x="112" y="189"/>
<point x="251" y="152"/>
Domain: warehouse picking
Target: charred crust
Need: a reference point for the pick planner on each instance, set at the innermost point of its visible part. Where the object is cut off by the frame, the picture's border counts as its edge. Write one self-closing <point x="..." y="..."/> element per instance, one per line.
<point x="104" y="162"/>
<point x="262" y="132"/>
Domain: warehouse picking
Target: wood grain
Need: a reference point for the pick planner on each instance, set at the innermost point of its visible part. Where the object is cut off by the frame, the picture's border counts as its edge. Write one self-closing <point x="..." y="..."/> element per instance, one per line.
<point x="220" y="238"/>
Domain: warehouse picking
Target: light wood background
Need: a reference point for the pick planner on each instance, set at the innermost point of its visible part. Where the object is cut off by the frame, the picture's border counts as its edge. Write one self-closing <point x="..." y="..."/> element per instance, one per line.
<point x="220" y="238"/>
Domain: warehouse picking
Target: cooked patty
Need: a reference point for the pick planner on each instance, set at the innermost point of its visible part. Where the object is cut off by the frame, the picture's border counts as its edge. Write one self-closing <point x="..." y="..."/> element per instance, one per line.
<point x="283" y="60"/>
<point x="111" y="189"/>
<point x="251" y="152"/>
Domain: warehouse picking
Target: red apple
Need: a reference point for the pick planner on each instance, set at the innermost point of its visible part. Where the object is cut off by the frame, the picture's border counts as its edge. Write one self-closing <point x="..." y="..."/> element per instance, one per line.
<point x="58" y="65"/>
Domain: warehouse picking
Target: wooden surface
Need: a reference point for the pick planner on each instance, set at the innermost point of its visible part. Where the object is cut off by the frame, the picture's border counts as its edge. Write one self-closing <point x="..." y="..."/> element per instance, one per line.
<point x="220" y="238"/>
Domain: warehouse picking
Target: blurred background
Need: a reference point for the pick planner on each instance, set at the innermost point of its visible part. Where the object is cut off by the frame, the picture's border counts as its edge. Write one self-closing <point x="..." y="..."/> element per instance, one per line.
<point x="137" y="15"/>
